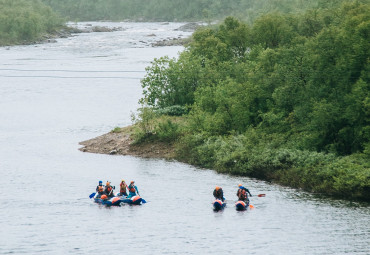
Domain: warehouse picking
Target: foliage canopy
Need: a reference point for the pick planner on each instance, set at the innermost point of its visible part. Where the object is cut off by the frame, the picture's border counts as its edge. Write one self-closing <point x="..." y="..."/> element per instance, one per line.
<point x="271" y="97"/>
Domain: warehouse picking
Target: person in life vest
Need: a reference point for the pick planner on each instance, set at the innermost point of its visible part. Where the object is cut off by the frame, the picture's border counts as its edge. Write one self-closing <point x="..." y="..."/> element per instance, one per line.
<point x="100" y="185"/>
<point x="100" y="189"/>
<point x="132" y="190"/>
<point x="123" y="188"/>
<point x="108" y="190"/>
<point x="218" y="193"/>
<point x="242" y="193"/>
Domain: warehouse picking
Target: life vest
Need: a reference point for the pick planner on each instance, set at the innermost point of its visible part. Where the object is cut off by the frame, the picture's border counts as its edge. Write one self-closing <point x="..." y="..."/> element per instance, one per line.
<point x="242" y="194"/>
<point x="109" y="189"/>
<point x="100" y="189"/>
<point x="123" y="187"/>
<point x="131" y="188"/>
<point x="218" y="193"/>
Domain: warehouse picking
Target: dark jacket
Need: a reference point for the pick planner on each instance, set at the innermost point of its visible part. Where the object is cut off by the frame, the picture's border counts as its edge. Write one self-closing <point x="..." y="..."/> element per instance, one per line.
<point x="218" y="194"/>
<point x="109" y="191"/>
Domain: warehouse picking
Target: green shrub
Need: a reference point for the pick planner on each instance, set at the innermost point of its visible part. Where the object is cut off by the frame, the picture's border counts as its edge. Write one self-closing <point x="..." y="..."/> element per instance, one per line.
<point x="116" y="130"/>
<point x="167" y="131"/>
<point x="23" y="21"/>
<point x="174" y="110"/>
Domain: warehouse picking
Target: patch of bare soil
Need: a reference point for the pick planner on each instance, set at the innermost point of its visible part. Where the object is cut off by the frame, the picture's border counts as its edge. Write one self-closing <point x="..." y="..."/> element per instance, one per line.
<point x="122" y="143"/>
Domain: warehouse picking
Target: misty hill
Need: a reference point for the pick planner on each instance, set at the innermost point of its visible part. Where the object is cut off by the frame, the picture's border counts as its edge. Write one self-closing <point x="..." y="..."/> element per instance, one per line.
<point x="179" y="10"/>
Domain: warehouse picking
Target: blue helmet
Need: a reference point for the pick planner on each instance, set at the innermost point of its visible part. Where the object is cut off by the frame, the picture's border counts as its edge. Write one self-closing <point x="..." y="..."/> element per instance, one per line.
<point x="100" y="182"/>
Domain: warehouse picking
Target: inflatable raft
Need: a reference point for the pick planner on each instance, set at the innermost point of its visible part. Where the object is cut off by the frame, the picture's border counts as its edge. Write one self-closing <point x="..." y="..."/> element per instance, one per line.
<point x="113" y="201"/>
<point x="218" y="205"/>
<point x="241" y="205"/>
<point x="135" y="200"/>
<point x="117" y="200"/>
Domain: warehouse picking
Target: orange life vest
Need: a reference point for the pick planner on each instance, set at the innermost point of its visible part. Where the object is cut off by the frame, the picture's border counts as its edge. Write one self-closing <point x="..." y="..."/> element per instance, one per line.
<point x="242" y="194"/>
<point x="132" y="189"/>
<point x="100" y="189"/>
<point x="123" y="187"/>
<point x="109" y="189"/>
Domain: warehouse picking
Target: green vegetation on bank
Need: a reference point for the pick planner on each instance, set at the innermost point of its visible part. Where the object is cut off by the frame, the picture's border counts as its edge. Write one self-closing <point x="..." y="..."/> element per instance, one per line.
<point x="285" y="99"/>
<point x="24" y="21"/>
<point x="178" y="10"/>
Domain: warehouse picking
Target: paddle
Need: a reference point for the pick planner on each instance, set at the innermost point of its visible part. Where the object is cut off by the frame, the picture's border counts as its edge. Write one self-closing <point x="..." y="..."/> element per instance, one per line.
<point x="92" y="195"/>
<point x="261" y="195"/>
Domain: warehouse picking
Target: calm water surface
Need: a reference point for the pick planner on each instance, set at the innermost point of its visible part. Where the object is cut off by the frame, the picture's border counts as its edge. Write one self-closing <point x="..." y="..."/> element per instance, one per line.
<point x="52" y="96"/>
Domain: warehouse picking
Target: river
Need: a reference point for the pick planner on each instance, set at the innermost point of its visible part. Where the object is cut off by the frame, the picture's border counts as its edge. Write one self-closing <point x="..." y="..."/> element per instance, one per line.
<point x="54" y="95"/>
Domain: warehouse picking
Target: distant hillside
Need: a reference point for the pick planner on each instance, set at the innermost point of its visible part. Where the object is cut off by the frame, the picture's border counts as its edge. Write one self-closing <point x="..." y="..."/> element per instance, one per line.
<point x="179" y="10"/>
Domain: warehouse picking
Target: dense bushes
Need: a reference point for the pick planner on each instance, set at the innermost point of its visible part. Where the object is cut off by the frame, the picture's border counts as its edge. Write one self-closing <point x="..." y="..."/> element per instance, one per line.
<point x="286" y="98"/>
<point x="25" y="20"/>
<point x="151" y="125"/>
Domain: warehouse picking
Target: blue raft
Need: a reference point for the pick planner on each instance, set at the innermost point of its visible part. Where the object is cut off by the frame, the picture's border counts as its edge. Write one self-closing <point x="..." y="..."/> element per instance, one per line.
<point x="118" y="200"/>
<point x="241" y="205"/>
<point x="218" y="205"/>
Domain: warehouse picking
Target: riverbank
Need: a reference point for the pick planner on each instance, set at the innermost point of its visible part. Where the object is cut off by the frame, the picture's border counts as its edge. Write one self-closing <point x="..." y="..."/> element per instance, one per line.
<point x="333" y="178"/>
<point x="122" y="143"/>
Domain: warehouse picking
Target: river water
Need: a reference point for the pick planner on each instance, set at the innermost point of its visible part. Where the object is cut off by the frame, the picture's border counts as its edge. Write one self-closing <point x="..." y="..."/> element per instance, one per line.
<point x="52" y="96"/>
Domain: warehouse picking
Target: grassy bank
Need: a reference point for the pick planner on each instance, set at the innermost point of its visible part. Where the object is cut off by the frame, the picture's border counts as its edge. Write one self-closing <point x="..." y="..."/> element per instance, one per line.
<point x="256" y="154"/>
<point x="26" y="21"/>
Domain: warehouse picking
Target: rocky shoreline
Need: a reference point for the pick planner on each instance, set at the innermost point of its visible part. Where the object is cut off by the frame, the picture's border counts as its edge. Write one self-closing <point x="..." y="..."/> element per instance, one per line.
<point x="70" y="30"/>
<point x="122" y="143"/>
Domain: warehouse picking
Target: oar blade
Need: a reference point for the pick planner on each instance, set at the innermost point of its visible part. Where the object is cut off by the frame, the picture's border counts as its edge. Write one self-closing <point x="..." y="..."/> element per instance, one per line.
<point x="92" y="195"/>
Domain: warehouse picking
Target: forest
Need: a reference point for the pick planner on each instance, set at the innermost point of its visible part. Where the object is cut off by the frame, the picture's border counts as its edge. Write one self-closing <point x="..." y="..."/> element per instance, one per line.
<point x="25" y="21"/>
<point x="286" y="99"/>
<point x="28" y="21"/>
<point x="178" y="10"/>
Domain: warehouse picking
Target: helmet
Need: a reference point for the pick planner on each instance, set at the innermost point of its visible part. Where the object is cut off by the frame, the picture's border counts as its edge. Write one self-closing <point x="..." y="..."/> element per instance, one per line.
<point x="132" y="181"/>
<point x="107" y="184"/>
<point x="217" y="187"/>
<point x="239" y="185"/>
<point x="123" y="180"/>
<point x="100" y="182"/>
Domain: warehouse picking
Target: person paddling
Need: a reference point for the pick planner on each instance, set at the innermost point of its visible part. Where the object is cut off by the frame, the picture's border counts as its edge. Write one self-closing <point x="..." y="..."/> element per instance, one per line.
<point x="100" y="189"/>
<point x="108" y="190"/>
<point x="132" y="190"/>
<point x="218" y="193"/>
<point x="242" y="193"/>
<point x="123" y="188"/>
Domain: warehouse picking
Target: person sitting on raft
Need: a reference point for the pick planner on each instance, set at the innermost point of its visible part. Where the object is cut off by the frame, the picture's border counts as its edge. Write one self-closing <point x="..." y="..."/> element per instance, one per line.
<point x="108" y="190"/>
<point x="132" y="190"/>
<point x="100" y="189"/>
<point x="100" y="185"/>
<point x="242" y="193"/>
<point x="123" y="188"/>
<point x="219" y="194"/>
